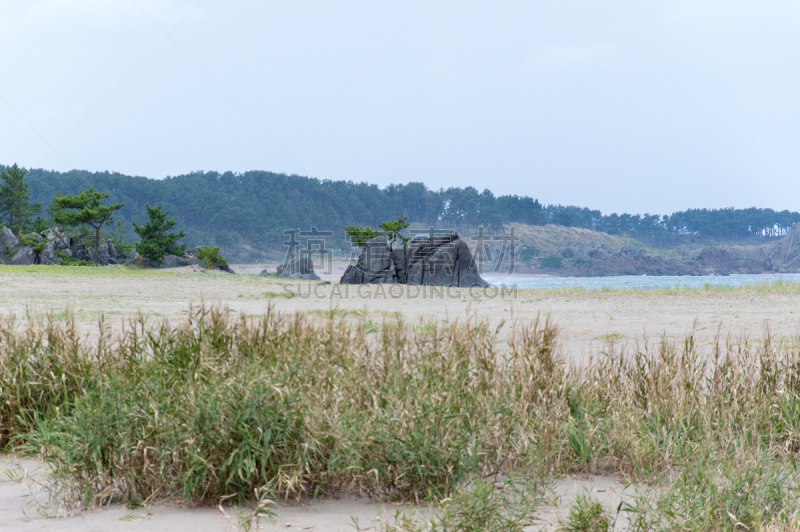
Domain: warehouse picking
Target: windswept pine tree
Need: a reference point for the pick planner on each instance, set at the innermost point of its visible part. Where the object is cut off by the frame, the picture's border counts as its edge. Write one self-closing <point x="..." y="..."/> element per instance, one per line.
<point x="84" y="209"/>
<point x="156" y="239"/>
<point x="15" y="206"/>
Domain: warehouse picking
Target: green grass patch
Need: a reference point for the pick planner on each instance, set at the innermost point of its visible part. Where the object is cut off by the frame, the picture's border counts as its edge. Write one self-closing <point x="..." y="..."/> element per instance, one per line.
<point x="286" y="295"/>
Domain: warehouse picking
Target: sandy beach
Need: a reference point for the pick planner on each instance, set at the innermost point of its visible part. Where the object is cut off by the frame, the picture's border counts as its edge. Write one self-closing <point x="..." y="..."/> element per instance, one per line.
<point x="588" y="319"/>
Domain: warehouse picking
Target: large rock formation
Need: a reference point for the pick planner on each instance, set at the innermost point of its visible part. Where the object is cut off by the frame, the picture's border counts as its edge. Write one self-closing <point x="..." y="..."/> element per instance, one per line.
<point x="48" y="246"/>
<point x="438" y="260"/>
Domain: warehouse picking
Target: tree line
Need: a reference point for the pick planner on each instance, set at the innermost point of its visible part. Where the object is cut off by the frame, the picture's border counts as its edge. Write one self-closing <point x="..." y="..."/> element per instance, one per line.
<point x="254" y="208"/>
<point x="722" y="224"/>
<point x="84" y="216"/>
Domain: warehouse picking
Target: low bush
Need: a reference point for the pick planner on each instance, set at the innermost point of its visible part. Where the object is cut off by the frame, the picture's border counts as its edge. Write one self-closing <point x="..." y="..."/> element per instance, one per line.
<point x="211" y="256"/>
<point x="587" y="515"/>
<point x="69" y="260"/>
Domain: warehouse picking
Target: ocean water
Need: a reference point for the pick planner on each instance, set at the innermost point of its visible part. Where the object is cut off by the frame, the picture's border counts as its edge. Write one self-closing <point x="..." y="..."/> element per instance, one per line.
<point x="641" y="282"/>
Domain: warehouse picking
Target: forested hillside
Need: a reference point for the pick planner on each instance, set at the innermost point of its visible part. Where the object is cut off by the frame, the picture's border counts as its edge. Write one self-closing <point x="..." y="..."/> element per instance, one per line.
<point x="254" y="208"/>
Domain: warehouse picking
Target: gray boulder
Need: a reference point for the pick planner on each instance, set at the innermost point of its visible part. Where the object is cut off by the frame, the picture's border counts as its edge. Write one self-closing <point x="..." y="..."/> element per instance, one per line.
<point x="25" y="256"/>
<point x="48" y="254"/>
<point x="58" y="236"/>
<point x="9" y="243"/>
<point x="107" y="253"/>
<point x="58" y="241"/>
<point x="173" y="261"/>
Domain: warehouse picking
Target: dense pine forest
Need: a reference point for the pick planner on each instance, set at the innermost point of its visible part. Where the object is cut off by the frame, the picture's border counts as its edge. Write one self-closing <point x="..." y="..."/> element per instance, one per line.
<point x="255" y="208"/>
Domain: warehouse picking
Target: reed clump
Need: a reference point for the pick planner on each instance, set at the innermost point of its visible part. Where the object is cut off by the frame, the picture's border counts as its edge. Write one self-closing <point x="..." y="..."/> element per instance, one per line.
<point x="224" y="408"/>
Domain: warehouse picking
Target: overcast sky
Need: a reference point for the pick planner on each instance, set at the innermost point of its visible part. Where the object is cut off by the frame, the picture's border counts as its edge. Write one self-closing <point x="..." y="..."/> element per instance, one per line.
<point x="635" y="106"/>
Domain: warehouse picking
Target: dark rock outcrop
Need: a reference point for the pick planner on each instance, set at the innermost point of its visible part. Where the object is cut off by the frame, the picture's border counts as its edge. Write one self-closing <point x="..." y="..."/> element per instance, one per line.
<point x="173" y="261"/>
<point x="439" y="260"/>
<point x="48" y="246"/>
<point x="375" y="265"/>
<point x="293" y="267"/>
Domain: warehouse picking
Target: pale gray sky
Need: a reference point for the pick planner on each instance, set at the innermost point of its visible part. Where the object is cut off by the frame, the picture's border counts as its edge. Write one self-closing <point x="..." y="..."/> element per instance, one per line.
<point x="619" y="105"/>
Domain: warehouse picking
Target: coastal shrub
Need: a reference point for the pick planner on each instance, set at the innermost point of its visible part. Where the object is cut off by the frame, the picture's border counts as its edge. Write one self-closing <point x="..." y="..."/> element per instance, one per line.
<point x="303" y="405"/>
<point x="69" y="260"/>
<point x="587" y="515"/>
<point x="217" y="407"/>
<point x="483" y="505"/>
<point x="44" y="366"/>
<point x="36" y="244"/>
<point x="211" y="256"/>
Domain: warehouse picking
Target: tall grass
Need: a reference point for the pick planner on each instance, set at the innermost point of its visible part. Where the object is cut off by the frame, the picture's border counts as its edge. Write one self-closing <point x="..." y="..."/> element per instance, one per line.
<point x="239" y="408"/>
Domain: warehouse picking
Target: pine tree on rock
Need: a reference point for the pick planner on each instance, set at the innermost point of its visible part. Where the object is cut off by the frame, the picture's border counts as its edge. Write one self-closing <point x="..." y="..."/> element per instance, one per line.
<point x="84" y="209"/>
<point x="156" y="240"/>
<point x="15" y="207"/>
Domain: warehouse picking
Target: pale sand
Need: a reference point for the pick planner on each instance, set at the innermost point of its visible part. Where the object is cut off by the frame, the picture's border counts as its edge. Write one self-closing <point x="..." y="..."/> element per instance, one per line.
<point x="24" y="507"/>
<point x="584" y="318"/>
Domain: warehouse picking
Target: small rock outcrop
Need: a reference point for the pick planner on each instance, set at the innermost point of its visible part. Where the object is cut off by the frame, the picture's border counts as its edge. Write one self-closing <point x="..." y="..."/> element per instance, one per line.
<point x="294" y="267"/>
<point x="438" y="260"/>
